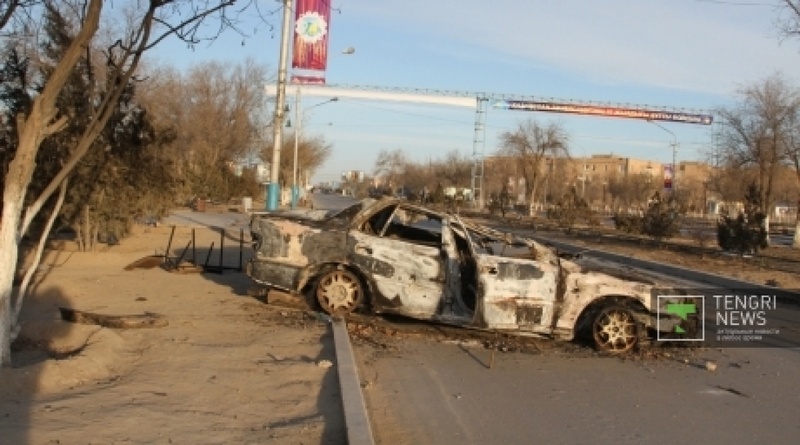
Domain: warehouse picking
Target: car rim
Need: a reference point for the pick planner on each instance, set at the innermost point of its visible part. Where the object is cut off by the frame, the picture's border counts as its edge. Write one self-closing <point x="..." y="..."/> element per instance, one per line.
<point x="339" y="292"/>
<point x="615" y="330"/>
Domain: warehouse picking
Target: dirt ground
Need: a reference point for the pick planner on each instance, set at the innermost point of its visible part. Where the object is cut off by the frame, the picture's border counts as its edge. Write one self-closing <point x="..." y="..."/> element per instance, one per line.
<point x="220" y="366"/>
<point x="226" y="368"/>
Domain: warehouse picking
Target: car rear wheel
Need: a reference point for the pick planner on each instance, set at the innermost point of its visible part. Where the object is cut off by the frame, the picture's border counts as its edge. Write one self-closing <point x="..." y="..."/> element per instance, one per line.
<point x="614" y="329"/>
<point x="339" y="292"/>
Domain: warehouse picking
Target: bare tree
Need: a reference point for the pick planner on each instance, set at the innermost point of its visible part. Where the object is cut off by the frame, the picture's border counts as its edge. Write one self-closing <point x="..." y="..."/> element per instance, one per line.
<point x="499" y="170"/>
<point x="792" y="142"/>
<point x="788" y="21"/>
<point x="148" y="24"/>
<point x="311" y="154"/>
<point x="9" y="9"/>
<point x="530" y="145"/>
<point x="213" y="111"/>
<point x="754" y="133"/>
<point x="390" y="165"/>
<point x="631" y="191"/>
<point x="455" y="168"/>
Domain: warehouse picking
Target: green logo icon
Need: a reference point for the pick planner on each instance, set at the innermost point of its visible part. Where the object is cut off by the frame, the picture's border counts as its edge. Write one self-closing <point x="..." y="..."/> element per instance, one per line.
<point x="682" y="310"/>
<point x="680" y="317"/>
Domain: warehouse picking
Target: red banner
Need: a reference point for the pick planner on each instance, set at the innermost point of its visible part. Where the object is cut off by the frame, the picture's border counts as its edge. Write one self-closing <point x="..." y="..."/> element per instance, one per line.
<point x="598" y="110"/>
<point x="310" y="54"/>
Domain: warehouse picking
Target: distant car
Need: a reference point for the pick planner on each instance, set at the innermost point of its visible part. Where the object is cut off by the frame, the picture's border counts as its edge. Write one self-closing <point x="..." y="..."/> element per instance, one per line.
<point x="391" y="256"/>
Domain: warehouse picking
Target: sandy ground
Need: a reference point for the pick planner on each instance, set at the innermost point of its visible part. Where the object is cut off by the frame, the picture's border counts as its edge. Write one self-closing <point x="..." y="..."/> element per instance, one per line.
<point x="225" y="368"/>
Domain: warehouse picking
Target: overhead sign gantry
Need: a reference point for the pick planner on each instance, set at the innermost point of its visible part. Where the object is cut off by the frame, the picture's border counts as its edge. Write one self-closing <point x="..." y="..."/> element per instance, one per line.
<point x="507" y="102"/>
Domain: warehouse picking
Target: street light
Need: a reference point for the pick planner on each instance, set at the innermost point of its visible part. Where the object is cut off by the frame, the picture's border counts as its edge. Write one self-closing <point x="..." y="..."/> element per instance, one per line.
<point x="674" y="154"/>
<point x="274" y="188"/>
<point x="299" y="122"/>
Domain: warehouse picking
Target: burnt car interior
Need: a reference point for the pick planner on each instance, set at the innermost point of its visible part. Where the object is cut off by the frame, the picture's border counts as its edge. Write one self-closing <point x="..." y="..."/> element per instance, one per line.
<point x="407" y="225"/>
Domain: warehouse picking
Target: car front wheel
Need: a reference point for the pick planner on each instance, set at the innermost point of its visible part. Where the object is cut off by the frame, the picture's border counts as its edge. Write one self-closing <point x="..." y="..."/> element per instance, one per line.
<point x="339" y="292"/>
<point x="614" y="329"/>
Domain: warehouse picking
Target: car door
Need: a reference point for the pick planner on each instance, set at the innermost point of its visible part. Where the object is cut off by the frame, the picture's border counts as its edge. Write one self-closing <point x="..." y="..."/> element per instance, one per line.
<point x="517" y="293"/>
<point x="404" y="258"/>
<point x="516" y="287"/>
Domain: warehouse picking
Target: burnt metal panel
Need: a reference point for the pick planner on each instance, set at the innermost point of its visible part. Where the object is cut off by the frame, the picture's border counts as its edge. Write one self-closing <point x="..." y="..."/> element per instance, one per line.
<point x="529" y="314"/>
<point x="272" y="242"/>
<point x="324" y="246"/>
<point x="273" y="274"/>
<point x="372" y="265"/>
<point x="518" y="271"/>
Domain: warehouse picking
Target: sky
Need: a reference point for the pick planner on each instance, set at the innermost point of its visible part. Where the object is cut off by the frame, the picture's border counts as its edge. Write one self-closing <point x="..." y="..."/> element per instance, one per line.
<point x="690" y="55"/>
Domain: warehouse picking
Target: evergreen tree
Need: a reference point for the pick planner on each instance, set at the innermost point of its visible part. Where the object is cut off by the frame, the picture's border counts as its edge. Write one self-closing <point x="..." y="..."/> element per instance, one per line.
<point x="745" y="232"/>
<point x="661" y="220"/>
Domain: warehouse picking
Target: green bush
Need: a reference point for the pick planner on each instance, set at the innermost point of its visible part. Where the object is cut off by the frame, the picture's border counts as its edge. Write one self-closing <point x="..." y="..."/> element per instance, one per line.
<point x="569" y="209"/>
<point x="628" y="223"/>
<point x="745" y="232"/>
<point x="661" y="220"/>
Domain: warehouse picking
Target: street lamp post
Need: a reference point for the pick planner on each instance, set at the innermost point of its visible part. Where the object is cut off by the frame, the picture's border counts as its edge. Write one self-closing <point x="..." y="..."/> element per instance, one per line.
<point x="295" y="190"/>
<point x="274" y="188"/>
<point x="674" y="155"/>
<point x="298" y="117"/>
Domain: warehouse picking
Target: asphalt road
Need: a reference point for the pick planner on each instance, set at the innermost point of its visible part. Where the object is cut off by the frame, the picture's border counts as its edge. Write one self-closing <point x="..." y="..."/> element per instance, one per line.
<point x="446" y="394"/>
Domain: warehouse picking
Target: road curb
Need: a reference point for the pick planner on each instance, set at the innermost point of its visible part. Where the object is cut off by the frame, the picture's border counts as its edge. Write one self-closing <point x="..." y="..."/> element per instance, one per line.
<point x="356" y="419"/>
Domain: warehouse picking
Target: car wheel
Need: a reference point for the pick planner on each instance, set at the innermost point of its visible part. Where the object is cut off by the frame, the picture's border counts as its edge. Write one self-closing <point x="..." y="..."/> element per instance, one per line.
<point x="339" y="292"/>
<point x="614" y="329"/>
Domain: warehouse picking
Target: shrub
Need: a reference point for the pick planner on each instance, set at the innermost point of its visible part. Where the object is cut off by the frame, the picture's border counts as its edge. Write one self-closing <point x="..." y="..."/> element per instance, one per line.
<point x="569" y="209"/>
<point x="661" y="220"/>
<point x="628" y="223"/>
<point x="745" y="232"/>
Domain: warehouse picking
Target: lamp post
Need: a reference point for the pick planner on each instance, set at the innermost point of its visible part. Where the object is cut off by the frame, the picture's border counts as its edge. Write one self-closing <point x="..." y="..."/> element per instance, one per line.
<point x="674" y="154"/>
<point x="274" y="188"/>
<point x="298" y="117"/>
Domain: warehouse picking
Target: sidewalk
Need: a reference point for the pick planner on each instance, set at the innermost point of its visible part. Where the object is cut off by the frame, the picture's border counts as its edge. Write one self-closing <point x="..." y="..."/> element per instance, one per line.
<point x="226" y="369"/>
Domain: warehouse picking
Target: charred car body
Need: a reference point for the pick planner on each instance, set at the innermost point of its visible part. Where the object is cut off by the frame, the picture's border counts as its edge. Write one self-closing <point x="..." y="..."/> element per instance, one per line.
<point x="391" y="256"/>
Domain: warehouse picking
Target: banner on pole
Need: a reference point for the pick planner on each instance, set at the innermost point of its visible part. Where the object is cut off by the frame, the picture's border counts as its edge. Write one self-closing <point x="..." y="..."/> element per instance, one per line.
<point x="310" y="52"/>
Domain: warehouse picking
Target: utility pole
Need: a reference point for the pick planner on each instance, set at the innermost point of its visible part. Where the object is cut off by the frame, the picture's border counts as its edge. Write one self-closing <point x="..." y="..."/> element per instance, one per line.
<point x="274" y="187"/>
<point x="298" y="123"/>
<point x="298" y="117"/>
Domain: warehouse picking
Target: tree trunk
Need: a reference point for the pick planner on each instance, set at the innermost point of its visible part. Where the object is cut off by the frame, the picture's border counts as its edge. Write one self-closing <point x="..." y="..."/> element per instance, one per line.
<point x="796" y="239"/>
<point x="86" y="230"/>
<point x="37" y="258"/>
<point x="32" y="130"/>
<point x="20" y="172"/>
<point x="8" y="263"/>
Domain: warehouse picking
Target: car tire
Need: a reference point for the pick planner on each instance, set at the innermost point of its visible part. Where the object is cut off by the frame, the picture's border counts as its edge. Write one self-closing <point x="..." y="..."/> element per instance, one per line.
<point x="615" y="329"/>
<point x="339" y="292"/>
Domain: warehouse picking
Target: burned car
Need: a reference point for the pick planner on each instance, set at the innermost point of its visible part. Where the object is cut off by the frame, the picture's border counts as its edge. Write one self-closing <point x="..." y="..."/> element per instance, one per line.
<point x="391" y="256"/>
